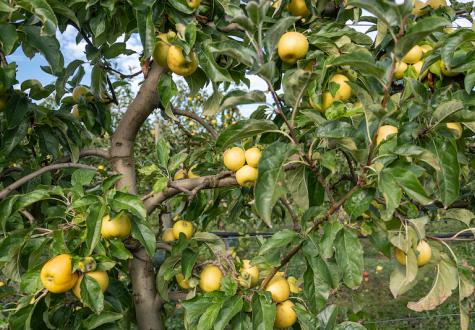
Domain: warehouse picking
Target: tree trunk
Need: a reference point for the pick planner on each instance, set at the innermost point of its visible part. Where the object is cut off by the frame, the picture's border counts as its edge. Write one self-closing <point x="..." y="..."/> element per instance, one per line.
<point x="146" y="300"/>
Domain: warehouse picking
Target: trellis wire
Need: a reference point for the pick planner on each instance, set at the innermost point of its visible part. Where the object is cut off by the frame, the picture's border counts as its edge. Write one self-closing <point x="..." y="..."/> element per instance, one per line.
<point x="413" y="318"/>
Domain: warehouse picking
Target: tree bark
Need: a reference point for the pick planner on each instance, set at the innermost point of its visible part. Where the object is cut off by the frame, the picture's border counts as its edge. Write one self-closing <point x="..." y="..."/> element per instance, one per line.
<point x="146" y="301"/>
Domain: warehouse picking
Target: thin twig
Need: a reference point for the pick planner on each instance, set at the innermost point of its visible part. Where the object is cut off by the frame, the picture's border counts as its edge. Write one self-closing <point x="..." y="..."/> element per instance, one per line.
<point x="293" y="215"/>
<point x="198" y="119"/>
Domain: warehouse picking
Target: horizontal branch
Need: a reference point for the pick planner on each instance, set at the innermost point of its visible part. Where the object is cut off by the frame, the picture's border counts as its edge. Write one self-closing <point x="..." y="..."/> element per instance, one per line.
<point x="5" y="192"/>
<point x="206" y="182"/>
<point x="198" y="119"/>
<point x="97" y="152"/>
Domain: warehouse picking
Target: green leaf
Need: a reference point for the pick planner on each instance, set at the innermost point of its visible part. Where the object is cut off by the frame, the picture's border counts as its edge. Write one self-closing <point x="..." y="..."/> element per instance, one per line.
<point x="330" y="230"/>
<point x="335" y="129"/>
<point x="463" y="215"/>
<point x="118" y="250"/>
<point x="235" y="50"/>
<point x="128" y="202"/>
<point x="263" y="312"/>
<point x="146" y="30"/>
<point x="402" y="279"/>
<point x="229" y="286"/>
<point x="30" y="281"/>
<point x="298" y="186"/>
<point x="213" y="71"/>
<point x="230" y="308"/>
<point x="82" y="177"/>
<point x="446" y="109"/>
<point x="278" y="240"/>
<point x="317" y="283"/>
<point x="349" y="257"/>
<point x="93" y="225"/>
<point x="91" y="294"/>
<point x="166" y="89"/>
<point x="42" y="10"/>
<point x="188" y="260"/>
<point x="48" y="46"/>
<point x="295" y="83"/>
<point x="163" y="151"/>
<point x="95" y="321"/>
<point x="445" y="282"/>
<point x="142" y="232"/>
<point x="8" y="37"/>
<point x="361" y="61"/>
<point x="194" y="307"/>
<point x="212" y="241"/>
<point x="348" y="325"/>
<point x="21" y="319"/>
<point x="409" y="182"/>
<point x="244" y="129"/>
<point x="391" y="192"/>
<point x="269" y="186"/>
<point x="448" y="176"/>
<point x="359" y="202"/>
<point x="238" y="97"/>
<point x="328" y="317"/>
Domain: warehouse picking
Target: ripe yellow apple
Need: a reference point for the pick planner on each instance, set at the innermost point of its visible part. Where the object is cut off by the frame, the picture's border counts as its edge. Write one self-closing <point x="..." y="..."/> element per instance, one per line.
<point x="379" y="269"/>
<point x="418" y="5"/>
<point x="210" y="278"/>
<point x="426" y="48"/>
<point x="285" y="315"/>
<point x="292" y="46"/>
<point x="279" y="288"/>
<point x="182" y="226"/>
<point x="86" y="264"/>
<point x="192" y="175"/>
<point x="435" y="68"/>
<point x="418" y="67"/>
<point x="327" y="101"/>
<point x="399" y="70"/>
<point x="57" y="274"/>
<point x="182" y="283"/>
<point x="178" y="63"/>
<point x="234" y="158"/>
<point x="384" y="131"/>
<point x="456" y="129"/>
<point x="298" y="8"/>
<point x="160" y="52"/>
<point x="75" y="111"/>
<point x="253" y="156"/>
<point x="437" y="3"/>
<point x="179" y="175"/>
<point x="414" y="55"/>
<point x="101" y="277"/>
<point x="445" y="71"/>
<point x="214" y="122"/>
<point x="193" y="3"/>
<point x="3" y="102"/>
<point x="423" y="253"/>
<point x="252" y="271"/>
<point x="119" y="227"/>
<point x="246" y="175"/>
<point x="294" y="288"/>
<point x="167" y="235"/>
<point x="81" y="91"/>
<point x="344" y="91"/>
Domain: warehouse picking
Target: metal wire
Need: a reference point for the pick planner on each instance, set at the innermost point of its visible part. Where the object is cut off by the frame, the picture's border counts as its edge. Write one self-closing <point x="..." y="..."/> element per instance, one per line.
<point x="413" y="318"/>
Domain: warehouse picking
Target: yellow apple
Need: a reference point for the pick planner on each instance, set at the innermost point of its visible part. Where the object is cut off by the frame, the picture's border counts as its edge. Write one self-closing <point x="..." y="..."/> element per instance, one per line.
<point x="445" y="71"/>
<point x="160" y="52"/>
<point x="246" y="175"/>
<point x="344" y="91"/>
<point x="292" y="46"/>
<point x="234" y="158"/>
<point x="456" y="129"/>
<point x="418" y="67"/>
<point x="81" y="91"/>
<point x="414" y="55"/>
<point x="101" y="277"/>
<point x="298" y="8"/>
<point x="285" y="315"/>
<point x="119" y="227"/>
<point x="385" y="131"/>
<point x="423" y="253"/>
<point x="399" y="70"/>
<point x="253" y="156"/>
<point x="435" y="68"/>
<point x="294" y="288"/>
<point x="167" y="235"/>
<point x="178" y="63"/>
<point x="193" y="3"/>
<point x="192" y="175"/>
<point x="179" y="175"/>
<point x="182" y="226"/>
<point x="210" y="278"/>
<point x="437" y="3"/>
<point x="182" y="283"/>
<point x="251" y="271"/>
<point x="279" y="288"/>
<point x="426" y="48"/>
<point x="57" y="274"/>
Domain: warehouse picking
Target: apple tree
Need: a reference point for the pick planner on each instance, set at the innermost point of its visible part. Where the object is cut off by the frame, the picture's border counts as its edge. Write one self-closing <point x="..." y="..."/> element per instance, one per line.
<point x="107" y="215"/>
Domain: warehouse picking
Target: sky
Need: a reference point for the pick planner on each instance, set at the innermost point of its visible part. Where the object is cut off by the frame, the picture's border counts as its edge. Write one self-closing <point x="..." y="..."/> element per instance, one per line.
<point x="31" y="68"/>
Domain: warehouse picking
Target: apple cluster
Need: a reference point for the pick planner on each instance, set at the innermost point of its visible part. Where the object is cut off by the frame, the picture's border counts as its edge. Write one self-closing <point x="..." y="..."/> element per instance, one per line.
<point x="244" y="163"/>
